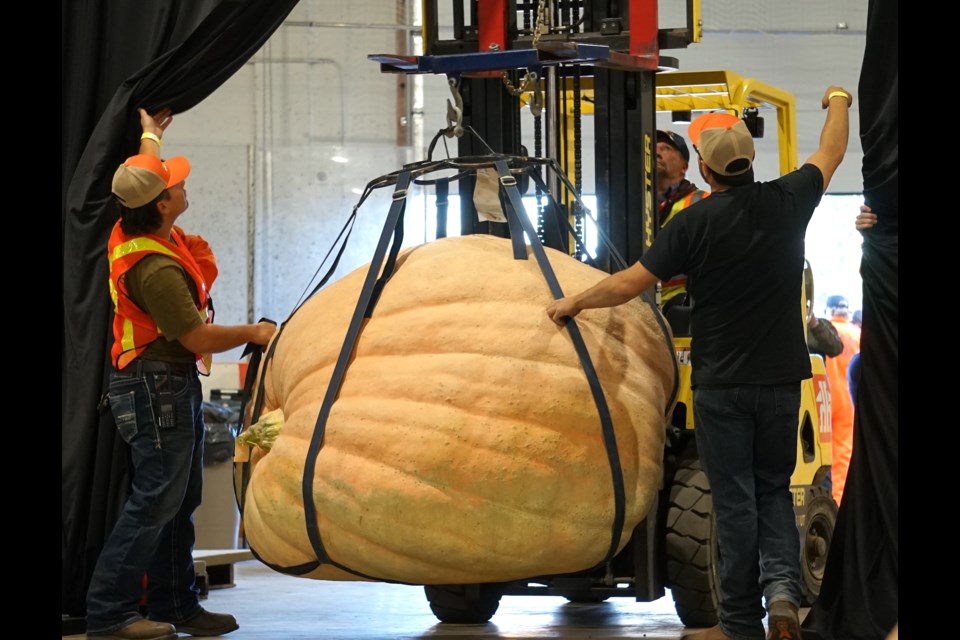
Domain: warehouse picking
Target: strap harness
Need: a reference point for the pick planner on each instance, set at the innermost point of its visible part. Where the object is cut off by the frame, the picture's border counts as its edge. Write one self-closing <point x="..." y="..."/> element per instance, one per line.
<point x="388" y="247"/>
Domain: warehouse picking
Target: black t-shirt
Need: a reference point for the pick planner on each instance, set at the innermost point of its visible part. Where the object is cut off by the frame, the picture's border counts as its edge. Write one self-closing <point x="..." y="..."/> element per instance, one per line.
<point x="742" y="250"/>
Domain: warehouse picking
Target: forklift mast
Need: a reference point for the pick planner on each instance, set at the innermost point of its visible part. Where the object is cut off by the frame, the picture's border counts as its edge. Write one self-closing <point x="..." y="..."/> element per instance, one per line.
<point x="565" y="59"/>
<point x="548" y="54"/>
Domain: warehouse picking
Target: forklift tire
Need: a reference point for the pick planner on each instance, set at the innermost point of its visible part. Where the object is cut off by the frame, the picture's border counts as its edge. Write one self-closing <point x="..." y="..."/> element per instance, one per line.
<point x="691" y="546"/>
<point x="817" y="535"/>
<point x="464" y="604"/>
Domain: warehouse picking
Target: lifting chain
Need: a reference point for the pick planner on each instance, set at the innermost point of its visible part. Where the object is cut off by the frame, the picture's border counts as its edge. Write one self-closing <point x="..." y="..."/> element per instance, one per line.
<point x="538" y="153"/>
<point x="578" y="212"/>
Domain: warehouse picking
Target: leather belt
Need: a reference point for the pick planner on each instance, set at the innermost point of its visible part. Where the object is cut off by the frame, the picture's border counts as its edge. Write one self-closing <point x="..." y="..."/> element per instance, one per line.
<point x="138" y="367"/>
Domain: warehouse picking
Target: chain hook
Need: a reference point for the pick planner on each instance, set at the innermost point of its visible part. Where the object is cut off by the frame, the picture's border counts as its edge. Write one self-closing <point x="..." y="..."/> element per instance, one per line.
<point x="536" y="102"/>
<point x="454" y="111"/>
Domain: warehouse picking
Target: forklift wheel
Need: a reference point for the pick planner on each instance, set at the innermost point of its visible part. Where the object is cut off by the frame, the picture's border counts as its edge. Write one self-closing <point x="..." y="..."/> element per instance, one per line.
<point x="691" y="545"/>
<point x="464" y="604"/>
<point x="817" y="535"/>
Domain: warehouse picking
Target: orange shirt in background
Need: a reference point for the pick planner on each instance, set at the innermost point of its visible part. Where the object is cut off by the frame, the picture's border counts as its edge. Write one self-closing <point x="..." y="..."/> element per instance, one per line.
<point x="841" y="404"/>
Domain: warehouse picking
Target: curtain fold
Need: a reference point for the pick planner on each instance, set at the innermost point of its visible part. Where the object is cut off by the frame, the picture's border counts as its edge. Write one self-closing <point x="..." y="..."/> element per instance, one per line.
<point x="860" y="593"/>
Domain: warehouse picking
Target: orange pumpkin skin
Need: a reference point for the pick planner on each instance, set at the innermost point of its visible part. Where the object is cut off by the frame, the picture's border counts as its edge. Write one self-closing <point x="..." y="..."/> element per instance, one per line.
<point x="465" y="445"/>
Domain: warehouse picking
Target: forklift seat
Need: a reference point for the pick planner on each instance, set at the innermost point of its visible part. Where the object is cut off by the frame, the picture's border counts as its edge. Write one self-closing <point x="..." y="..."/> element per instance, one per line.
<point x="678" y="315"/>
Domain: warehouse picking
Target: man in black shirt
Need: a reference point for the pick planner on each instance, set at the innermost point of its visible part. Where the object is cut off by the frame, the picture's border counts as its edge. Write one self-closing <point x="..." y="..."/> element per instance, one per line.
<point x="742" y="250"/>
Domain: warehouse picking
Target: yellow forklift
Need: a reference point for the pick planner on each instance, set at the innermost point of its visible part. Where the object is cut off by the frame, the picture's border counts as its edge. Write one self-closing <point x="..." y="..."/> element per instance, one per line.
<point x="560" y="62"/>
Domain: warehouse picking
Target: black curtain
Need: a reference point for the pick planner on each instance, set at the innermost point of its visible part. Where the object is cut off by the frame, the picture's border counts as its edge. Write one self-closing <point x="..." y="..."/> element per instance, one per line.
<point x="860" y="593"/>
<point x="116" y="56"/>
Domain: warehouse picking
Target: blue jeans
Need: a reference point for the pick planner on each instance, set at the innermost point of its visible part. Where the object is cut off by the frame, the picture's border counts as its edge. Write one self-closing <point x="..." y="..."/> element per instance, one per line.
<point x="747" y="441"/>
<point x="159" y="414"/>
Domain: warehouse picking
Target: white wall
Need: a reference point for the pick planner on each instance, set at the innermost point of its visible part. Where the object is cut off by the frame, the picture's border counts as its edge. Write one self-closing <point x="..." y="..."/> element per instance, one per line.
<point x="802" y="64"/>
<point x="267" y="194"/>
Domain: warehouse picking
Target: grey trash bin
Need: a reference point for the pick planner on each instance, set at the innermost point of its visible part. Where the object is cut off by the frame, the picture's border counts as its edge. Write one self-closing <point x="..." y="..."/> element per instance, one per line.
<point x="217" y="520"/>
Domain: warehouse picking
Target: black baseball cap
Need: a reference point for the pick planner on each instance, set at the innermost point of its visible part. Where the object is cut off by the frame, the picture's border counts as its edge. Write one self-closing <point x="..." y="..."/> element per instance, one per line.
<point x="676" y="141"/>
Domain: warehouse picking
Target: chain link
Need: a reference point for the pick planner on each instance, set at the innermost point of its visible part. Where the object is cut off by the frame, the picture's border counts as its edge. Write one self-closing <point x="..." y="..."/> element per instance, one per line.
<point x="539" y="28"/>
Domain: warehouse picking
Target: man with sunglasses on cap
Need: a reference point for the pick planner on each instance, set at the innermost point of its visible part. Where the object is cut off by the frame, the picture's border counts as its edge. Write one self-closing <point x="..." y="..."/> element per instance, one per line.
<point x="674" y="194"/>
<point x="159" y="283"/>
<point x="742" y="249"/>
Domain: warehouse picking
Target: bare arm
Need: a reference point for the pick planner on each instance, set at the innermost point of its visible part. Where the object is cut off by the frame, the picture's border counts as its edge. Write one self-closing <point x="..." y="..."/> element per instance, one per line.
<point x="613" y="290"/>
<point x="836" y="131"/>
<point x="213" y="338"/>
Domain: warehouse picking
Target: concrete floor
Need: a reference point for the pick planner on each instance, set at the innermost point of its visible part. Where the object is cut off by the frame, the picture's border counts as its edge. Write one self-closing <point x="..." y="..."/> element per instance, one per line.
<point x="272" y="606"/>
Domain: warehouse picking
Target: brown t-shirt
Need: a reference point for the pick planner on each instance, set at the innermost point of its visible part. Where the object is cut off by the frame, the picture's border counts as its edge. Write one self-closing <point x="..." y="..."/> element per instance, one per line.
<point x="160" y="286"/>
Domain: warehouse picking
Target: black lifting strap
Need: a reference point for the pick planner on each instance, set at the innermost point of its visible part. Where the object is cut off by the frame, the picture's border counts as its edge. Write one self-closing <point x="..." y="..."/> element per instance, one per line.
<point x="442" y="202"/>
<point x="369" y="294"/>
<point x="517" y="214"/>
<point x="258" y="360"/>
<point x="559" y="215"/>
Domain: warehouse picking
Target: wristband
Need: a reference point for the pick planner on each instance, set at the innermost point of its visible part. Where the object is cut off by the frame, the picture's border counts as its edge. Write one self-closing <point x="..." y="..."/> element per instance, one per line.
<point x="834" y="94"/>
<point x="146" y="135"/>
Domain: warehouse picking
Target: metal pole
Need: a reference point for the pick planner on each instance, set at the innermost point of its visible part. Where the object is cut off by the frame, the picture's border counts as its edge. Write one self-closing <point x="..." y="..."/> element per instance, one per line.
<point x="551" y="129"/>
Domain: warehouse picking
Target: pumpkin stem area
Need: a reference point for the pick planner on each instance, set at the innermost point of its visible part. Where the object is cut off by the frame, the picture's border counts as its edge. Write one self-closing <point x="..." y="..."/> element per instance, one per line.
<point x="263" y="433"/>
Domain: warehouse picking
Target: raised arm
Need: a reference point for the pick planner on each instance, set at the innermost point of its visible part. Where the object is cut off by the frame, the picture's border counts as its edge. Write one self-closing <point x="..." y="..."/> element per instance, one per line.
<point x="836" y="131"/>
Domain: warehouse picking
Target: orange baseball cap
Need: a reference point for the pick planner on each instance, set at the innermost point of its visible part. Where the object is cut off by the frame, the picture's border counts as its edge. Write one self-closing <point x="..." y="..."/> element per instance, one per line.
<point x="143" y="177"/>
<point x="723" y="142"/>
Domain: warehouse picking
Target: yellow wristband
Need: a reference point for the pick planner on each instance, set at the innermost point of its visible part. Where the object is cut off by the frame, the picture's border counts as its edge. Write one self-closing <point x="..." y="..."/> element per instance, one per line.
<point x="835" y="94"/>
<point x="146" y="135"/>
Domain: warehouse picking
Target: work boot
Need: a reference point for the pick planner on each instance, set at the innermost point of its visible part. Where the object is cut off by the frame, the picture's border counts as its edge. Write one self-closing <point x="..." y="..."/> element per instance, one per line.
<point x="783" y="622"/>
<point x="713" y="633"/>
<point x="207" y="623"/>
<point x="138" y="630"/>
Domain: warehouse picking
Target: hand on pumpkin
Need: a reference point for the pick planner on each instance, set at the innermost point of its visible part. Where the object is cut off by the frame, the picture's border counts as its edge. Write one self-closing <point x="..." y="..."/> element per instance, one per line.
<point x="560" y="310"/>
<point x="214" y="338"/>
<point x="619" y="288"/>
<point x="263" y="333"/>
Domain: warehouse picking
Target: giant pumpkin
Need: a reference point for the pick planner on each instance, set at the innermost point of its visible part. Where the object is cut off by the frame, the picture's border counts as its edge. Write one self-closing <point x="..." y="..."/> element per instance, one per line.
<point x="465" y="445"/>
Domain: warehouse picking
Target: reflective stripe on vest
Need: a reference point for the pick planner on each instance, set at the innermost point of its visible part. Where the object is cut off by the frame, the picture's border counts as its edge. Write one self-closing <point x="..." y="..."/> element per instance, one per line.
<point x="678" y="284"/>
<point x="694" y="196"/>
<point x="133" y="328"/>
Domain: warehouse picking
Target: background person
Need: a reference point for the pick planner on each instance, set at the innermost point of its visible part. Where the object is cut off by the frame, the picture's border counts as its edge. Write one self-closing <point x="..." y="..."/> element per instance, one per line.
<point x="674" y="194"/>
<point x="841" y="405"/>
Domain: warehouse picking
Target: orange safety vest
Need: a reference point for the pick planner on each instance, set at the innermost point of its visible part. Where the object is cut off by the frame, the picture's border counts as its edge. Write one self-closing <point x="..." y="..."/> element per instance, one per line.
<point x="678" y="285"/>
<point x="133" y="328"/>
<point x="841" y="404"/>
